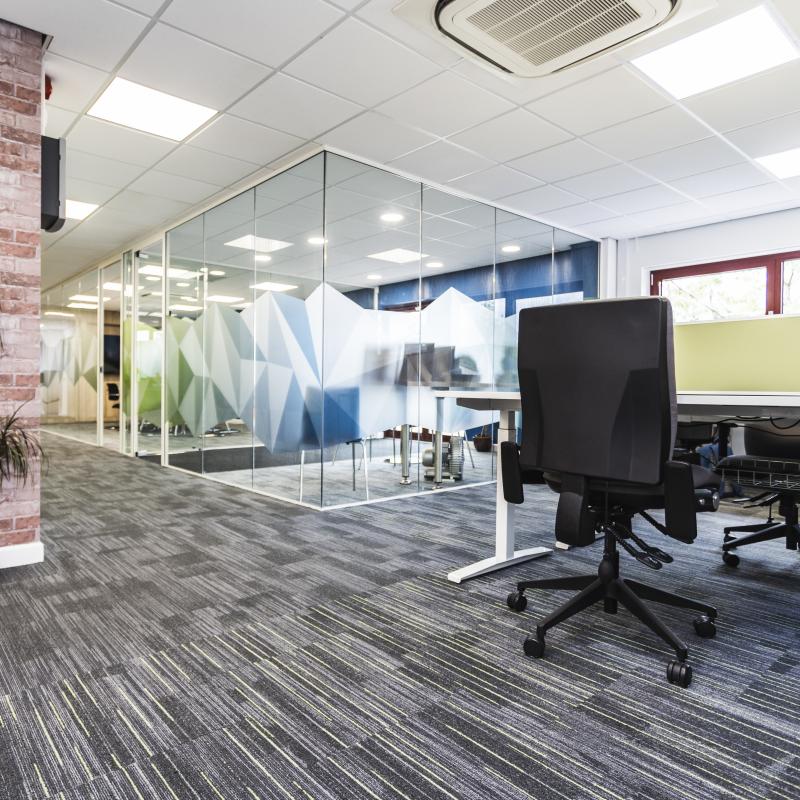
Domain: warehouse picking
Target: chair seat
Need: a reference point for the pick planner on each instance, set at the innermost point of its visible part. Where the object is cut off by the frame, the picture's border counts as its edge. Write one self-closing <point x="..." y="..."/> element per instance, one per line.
<point x="762" y="472"/>
<point x="637" y="495"/>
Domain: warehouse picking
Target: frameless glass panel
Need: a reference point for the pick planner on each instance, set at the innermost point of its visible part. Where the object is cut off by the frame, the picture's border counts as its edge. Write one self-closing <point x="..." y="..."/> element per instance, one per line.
<point x="148" y="351"/>
<point x="371" y="354"/>
<point x="124" y="291"/>
<point x="574" y="268"/>
<point x="738" y="293"/>
<point x="111" y="354"/>
<point x="69" y="368"/>
<point x="227" y="271"/>
<point x="459" y="312"/>
<point x="791" y="286"/>
<point x="184" y="285"/>
<point x="523" y="279"/>
<point x="285" y="324"/>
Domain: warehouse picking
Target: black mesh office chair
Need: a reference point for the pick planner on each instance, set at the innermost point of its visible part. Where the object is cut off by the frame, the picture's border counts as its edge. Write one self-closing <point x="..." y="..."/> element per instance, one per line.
<point x="599" y="417"/>
<point x="772" y="464"/>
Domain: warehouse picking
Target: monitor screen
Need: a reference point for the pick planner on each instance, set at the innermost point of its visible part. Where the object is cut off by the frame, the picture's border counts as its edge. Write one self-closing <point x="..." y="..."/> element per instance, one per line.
<point x="110" y="355"/>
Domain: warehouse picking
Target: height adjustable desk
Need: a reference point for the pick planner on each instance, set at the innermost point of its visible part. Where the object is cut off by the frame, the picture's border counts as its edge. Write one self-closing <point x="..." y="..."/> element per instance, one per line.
<point x="711" y="406"/>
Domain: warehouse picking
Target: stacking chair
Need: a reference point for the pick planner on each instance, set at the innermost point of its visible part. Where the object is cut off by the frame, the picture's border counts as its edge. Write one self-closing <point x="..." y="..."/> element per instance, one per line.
<point x="598" y="422"/>
<point x="772" y="465"/>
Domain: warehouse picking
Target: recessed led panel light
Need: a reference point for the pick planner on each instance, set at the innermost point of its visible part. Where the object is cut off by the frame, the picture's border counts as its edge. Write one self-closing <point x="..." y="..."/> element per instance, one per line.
<point x="217" y="273"/>
<point x="85" y="298"/>
<point x="89" y="306"/>
<point x="270" y="286"/>
<point x="782" y="165"/>
<point x="172" y="272"/>
<point x="189" y="298"/>
<point x="392" y="216"/>
<point x="223" y="298"/>
<point x="58" y="314"/>
<point x="152" y="278"/>
<point x="180" y="307"/>
<point x="182" y="284"/>
<point x="262" y="258"/>
<point x="398" y="256"/>
<point x="743" y="45"/>
<point x="113" y="287"/>
<point x="136" y="106"/>
<point x="434" y="265"/>
<point x="316" y="240"/>
<point x="258" y="243"/>
<point x="374" y="277"/>
<point x="511" y="248"/>
<point x="78" y="210"/>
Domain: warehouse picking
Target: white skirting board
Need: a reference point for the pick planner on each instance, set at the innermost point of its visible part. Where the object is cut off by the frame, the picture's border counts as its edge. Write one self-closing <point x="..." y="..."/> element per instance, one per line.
<point x="19" y="555"/>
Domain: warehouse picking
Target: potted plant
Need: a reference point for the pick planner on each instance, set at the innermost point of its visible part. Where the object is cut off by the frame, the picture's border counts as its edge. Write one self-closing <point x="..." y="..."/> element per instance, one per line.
<point x="483" y="441"/>
<point x="20" y="449"/>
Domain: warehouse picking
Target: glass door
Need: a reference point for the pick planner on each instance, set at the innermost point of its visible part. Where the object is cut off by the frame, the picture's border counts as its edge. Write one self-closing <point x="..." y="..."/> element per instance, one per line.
<point x="110" y="356"/>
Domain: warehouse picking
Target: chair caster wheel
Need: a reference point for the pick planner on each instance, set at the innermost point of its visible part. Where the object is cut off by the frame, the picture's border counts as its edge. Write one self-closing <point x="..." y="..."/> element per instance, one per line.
<point x="731" y="559"/>
<point x="517" y="601"/>
<point x="533" y="647"/>
<point x="704" y="627"/>
<point x="679" y="673"/>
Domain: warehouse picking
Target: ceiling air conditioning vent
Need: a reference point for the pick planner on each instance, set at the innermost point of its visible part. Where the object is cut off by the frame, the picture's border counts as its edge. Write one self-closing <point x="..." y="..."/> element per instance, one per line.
<point x="531" y="38"/>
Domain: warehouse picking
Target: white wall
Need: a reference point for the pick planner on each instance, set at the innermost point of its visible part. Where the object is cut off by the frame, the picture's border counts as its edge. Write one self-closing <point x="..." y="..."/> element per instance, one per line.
<point x="768" y="233"/>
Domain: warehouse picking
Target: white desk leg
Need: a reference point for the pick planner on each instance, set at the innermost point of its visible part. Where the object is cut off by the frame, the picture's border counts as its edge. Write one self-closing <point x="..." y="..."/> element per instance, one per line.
<point x="504" y="553"/>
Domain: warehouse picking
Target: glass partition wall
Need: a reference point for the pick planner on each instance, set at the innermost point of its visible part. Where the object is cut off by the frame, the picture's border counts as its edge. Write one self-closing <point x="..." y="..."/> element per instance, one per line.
<point x="298" y="340"/>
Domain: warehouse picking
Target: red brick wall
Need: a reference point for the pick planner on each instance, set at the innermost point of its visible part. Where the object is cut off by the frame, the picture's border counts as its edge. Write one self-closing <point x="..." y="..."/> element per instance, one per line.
<point x="20" y="255"/>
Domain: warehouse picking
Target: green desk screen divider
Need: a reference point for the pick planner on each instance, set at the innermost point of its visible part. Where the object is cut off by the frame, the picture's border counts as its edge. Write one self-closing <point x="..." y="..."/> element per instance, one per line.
<point x="754" y="355"/>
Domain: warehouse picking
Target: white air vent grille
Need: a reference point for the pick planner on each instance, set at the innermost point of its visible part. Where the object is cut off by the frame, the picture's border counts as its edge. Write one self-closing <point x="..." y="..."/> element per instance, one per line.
<point x="546" y="30"/>
<point x="538" y="37"/>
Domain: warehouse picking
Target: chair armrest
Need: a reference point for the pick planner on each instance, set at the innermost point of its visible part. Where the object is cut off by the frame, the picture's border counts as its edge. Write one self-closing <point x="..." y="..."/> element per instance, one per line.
<point x="512" y="473"/>
<point x="679" y="502"/>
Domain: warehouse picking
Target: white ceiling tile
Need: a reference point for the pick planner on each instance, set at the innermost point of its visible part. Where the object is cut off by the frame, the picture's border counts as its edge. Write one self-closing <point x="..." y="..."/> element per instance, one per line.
<point x="766" y="138"/>
<point x="203" y="165"/>
<point x="287" y="104"/>
<point x="440" y="162"/>
<point x="74" y="84"/>
<point x="98" y="33"/>
<point x="359" y="63"/>
<point x="689" y="159"/>
<point x="90" y="167"/>
<point x="146" y="208"/>
<point x="605" y="182"/>
<point x="524" y="90"/>
<point x="495" y="182"/>
<point x="769" y="195"/>
<point x="511" y="135"/>
<point x="719" y="181"/>
<point x="57" y="120"/>
<point x="541" y="200"/>
<point x="269" y="31"/>
<point x="790" y="11"/>
<point x="145" y="6"/>
<point x="179" y="64"/>
<point x="239" y="138"/>
<point x="764" y="96"/>
<point x="582" y="214"/>
<point x="379" y="13"/>
<point x="89" y="191"/>
<point x="173" y="187"/>
<point x="662" y="219"/>
<point x="347" y="5"/>
<point x="563" y="161"/>
<point x="118" y="143"/>
<point x="445" y="104"/>
<point x="600" y="101"/>
<point x="650" y="197"/>
<point x="376" y="137"/>
<point x="661" y="130"/>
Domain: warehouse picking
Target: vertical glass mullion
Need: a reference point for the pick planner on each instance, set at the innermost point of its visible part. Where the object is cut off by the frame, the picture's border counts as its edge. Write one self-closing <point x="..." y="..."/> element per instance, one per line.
<point x="323" y="321"/>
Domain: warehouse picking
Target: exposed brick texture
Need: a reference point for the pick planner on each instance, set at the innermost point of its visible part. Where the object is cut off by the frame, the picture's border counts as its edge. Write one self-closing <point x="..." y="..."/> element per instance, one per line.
<point x="20" y="256"/>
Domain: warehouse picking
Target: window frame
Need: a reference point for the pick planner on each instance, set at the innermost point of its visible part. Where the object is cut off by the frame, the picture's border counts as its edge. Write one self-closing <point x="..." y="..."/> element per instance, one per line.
<point x="773" y="263"/>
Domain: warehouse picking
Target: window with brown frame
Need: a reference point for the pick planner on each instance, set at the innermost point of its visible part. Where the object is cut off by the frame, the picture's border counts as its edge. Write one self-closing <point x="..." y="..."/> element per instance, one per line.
<point x="746" y="287"/>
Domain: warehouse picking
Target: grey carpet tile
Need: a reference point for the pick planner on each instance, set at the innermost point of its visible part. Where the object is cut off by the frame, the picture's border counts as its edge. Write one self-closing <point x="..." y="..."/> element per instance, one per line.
<point x="189" y="640"/>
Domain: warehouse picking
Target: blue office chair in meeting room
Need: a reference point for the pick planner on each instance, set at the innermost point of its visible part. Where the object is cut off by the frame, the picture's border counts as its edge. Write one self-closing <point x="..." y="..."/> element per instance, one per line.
<point x="772" y="465"/>
<point x="599" y="417"/>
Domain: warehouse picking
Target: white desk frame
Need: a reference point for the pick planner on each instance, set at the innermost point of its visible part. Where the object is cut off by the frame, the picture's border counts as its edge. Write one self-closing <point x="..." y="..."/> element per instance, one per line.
<point x="717" y="405"/>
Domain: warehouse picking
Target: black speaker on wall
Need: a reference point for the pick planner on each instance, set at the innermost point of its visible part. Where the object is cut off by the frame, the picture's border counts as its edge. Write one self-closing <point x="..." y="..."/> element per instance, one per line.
<point x="54" y="203"/>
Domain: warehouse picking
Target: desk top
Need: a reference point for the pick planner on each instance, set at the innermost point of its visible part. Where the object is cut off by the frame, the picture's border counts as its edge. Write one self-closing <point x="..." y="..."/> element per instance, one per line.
<point x="745" y="404"/>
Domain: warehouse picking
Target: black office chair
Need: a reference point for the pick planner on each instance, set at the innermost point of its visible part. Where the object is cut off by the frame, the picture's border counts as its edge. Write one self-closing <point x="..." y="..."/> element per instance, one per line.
<point x="113" y="397"/>
<point x="599" y="417"/>
<point x="772" y="464"/>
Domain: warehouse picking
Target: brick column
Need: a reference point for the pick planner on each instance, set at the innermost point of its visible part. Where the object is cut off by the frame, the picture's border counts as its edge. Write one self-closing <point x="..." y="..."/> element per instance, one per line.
<point x="20" y="269"/>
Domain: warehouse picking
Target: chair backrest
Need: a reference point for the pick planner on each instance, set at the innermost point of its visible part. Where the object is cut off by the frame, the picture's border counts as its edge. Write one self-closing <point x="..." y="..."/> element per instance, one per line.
<point x="770" y="440"/>
<point x="597" y="381"/>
